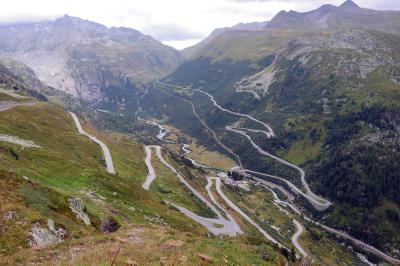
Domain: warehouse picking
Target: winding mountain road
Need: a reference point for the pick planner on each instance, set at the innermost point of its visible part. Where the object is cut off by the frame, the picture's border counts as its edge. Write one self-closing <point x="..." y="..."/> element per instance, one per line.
<point x="186" y="151"/>
<point x="299" y="226"/>
<point x="318" y="202"/>
<point x="209" y="223"/>
<point x="362" y="245"/>
<point x="270" y="132"/>
<point x="151" y="176"/>
<point x="218" y="225"/>
<point x="106" y="151"/>
<point x="295" y="238"/>
<point x="244" y="215"/>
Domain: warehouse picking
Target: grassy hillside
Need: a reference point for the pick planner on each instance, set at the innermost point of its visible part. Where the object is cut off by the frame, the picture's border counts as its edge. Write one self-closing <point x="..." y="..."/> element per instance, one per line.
<point x="244" y="45"/>
<point x="36" y="184"/>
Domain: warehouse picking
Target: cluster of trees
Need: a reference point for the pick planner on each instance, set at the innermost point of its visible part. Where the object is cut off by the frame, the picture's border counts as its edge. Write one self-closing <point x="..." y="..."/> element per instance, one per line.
<point x="355" y="169"/>
<point x="359" y="170"/>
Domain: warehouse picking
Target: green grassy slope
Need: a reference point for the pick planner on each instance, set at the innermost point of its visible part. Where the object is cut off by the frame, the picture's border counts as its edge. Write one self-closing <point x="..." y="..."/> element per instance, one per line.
<point x="37" y="183"/>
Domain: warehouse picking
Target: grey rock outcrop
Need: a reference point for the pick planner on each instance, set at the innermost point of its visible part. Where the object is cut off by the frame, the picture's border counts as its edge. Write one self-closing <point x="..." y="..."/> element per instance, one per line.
<point x="76" y="206"/>
<point x="43" y="236"/>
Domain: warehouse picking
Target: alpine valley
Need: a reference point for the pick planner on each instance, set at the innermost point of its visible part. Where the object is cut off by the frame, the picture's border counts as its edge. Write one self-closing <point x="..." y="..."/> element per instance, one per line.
<point x="267" y="143"/>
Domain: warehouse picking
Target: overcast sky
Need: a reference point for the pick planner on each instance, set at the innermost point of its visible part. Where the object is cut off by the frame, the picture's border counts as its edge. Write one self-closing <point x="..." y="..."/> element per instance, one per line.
<point x="178" y="23"/>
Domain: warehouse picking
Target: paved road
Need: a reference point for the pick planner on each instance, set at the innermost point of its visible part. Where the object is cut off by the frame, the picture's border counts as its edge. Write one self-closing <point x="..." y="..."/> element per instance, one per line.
<point x="295" y="238"/>
<point x="185" y="147"/>
<point x="310" y="197"/>
<point x="208" y="188"/>
<point x="323" y="203"/>
<point x="186" y="150"/>
<point x="207" y="222"/>
<point x="360" y="244"/>
<point x="317" y="205"/>
<point x="317" y="200"/>
<point x="204" y="124"/>
<point x="106" y="151"/>
<point x="299" y="226"/>
<point x="270" y="132"/>
<point x="151" y="176"/>
<point x="244" y="215"/>
<point x="364" y="246"/>
<point x="215" y="226"/>
<point x="218" y="225"/>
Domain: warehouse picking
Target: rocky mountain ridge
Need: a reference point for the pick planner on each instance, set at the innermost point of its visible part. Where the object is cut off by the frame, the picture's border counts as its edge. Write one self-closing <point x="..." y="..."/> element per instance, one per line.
<point x="328" y="17"/>
<point x="87" y="59"/>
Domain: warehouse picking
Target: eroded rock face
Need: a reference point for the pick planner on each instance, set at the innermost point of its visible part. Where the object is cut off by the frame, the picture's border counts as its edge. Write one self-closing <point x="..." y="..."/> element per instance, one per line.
<point x="257" y="84"/>
<point x="76" y="206"/>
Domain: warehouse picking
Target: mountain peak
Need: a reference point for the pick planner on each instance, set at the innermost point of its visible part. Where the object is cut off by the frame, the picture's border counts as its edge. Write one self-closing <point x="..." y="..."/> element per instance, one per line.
<point x="349" y="4"/>
<point x="66" y="19"/>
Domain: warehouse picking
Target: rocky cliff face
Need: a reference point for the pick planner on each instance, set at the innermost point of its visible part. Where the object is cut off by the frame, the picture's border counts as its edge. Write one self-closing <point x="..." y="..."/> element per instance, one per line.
<point x="87" y="59"/>
<point x="21" y="78"/>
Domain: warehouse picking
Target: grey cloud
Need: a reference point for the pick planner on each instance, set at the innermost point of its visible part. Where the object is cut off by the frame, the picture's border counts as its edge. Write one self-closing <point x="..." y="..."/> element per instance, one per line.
<point x="261" y="14"/>
<point x="22" y="18"/>
<point x="387" y="4"/>
<point x="171" y="32"/>
<point x="374" y="4"/>
<point x="263" y="1"/>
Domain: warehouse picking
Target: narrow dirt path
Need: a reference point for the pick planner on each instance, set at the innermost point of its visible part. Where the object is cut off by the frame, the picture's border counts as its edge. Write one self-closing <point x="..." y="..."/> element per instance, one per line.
<point x="5" y="105"/>
<point x="18" y="141"/>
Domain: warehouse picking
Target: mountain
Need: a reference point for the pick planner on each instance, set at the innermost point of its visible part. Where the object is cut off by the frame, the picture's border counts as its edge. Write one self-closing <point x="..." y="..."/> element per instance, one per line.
<point x="86" y="59"/>
<point x="20" y="78"/>
<point x="274" y="143"/>
<point x="346" y="16"/>
<point x="21" y="72"/>
<point x="230" y="41"/>
<point x="328" y="82"/>
<point x="192" y="50"/>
